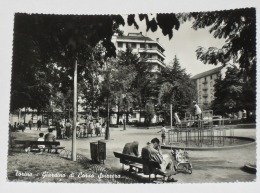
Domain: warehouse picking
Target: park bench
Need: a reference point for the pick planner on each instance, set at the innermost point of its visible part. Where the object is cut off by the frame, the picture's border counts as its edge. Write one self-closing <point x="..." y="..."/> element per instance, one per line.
<point x="33" y="145"/>
<point x="147" y="167"/>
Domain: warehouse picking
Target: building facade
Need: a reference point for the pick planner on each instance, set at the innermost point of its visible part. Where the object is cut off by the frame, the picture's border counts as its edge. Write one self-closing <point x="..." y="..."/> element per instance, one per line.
<point x="144" y="47"/>
<point x="205" y="82"/>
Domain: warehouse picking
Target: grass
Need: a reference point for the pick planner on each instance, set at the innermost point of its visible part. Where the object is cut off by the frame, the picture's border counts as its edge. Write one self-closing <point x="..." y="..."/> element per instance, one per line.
<point x="43" y="168"/>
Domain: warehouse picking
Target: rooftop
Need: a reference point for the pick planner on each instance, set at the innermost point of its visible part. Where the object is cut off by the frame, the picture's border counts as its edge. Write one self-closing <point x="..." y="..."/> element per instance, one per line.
<point x="138" y="37"/>
<point x="135" y="36"/>
<point x="207" y="73"/>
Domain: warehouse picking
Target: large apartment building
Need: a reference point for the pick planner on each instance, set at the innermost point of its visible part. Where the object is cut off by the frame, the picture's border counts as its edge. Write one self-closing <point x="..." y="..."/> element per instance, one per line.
<point x="205" y="86"/>
<point x="143" y="46"/>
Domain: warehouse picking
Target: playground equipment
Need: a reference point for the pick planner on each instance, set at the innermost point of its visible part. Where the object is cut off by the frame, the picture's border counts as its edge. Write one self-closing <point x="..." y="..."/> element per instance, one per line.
<point x="210" y="132"/>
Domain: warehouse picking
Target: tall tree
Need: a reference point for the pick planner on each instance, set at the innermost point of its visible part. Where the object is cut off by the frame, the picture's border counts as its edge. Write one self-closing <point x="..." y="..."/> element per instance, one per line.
<point x="176" y="89"/>
<point x="42" y="40"/>
<point x="228" y="92"/>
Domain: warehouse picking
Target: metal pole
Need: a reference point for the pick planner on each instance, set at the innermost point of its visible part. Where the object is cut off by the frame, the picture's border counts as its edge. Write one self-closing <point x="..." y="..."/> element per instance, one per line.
<point x="19" y="116"/>
<point x="171" y="114"/>
<point x="73" y="156"/>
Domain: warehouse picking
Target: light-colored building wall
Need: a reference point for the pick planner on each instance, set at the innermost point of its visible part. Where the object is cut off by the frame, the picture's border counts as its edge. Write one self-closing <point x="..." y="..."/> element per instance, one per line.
<point x="142" y="45"/>
<point x="205" y="85"/>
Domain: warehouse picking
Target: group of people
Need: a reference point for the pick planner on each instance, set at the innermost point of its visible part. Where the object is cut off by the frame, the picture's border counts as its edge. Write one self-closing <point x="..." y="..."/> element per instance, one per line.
<point x="21" y="126"/>
<point x="152" y="152"/>
<point x="91" y="127"/>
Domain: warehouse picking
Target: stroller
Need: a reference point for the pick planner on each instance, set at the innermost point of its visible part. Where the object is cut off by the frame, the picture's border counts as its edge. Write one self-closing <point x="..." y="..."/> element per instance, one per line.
<point x="182" y="161"/>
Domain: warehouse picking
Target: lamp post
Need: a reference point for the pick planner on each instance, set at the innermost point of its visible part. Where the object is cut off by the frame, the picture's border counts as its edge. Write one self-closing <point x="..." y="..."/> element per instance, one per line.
<point x="73" y="153"/>
<point x="171" y="114"/>
<point x="124" y="115"/>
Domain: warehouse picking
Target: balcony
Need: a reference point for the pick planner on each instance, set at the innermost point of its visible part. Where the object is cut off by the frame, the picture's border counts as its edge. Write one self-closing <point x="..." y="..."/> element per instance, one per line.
<point x="204" y="88"/>
<point x="155" y="60"/>
<point x="151" y="50"/>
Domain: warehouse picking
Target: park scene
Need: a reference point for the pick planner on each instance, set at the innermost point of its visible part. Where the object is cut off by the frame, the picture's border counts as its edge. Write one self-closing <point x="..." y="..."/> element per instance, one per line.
<point x="138" y="98"/>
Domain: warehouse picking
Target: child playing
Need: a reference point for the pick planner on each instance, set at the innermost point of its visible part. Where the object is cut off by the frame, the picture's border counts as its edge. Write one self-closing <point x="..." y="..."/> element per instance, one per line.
<point x="163" y="130"/>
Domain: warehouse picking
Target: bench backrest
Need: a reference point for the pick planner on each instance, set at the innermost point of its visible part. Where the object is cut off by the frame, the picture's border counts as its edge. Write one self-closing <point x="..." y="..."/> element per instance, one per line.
<point x="137" y="160"/>
<point x="23" y="142"/>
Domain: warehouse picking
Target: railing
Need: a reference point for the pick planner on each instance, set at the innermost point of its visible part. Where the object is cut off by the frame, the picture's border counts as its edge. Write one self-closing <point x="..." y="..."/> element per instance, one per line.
<point x="151" y="49"/>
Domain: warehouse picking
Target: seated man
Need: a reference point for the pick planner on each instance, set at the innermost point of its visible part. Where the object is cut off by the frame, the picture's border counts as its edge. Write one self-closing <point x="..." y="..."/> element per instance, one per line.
<point x="152" y="152"/>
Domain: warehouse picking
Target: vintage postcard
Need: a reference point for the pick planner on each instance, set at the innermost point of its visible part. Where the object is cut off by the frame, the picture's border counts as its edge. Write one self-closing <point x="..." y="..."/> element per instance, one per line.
<point x="159" y="98"/>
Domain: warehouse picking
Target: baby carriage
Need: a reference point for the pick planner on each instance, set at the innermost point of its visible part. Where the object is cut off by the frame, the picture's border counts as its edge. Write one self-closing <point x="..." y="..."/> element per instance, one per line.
<point x="182" y="161"/>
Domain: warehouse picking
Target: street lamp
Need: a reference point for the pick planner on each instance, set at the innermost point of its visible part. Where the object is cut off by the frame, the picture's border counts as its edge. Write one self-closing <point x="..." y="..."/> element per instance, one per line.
<point x="124" y="115"/>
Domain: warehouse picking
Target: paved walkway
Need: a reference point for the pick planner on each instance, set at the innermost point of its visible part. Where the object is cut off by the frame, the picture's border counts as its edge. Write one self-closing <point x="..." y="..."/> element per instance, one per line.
<point x="208" y="166"/>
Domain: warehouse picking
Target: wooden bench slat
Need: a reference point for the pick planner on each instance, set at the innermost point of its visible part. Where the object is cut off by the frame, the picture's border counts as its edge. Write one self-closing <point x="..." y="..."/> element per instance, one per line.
<point x="24" y="142"/>
<point x="136" y="165"/>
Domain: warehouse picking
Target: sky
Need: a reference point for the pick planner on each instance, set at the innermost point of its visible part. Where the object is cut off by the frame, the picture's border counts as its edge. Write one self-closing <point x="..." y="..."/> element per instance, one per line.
<point x="183" y="44"/>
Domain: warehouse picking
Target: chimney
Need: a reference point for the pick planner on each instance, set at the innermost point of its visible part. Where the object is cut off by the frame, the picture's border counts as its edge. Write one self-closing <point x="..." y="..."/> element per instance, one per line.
<point x="157" y="39"/>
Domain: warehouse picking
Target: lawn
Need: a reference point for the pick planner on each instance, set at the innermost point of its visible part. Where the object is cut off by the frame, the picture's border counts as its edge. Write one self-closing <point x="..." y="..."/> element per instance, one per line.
<point x="48" y="167"/>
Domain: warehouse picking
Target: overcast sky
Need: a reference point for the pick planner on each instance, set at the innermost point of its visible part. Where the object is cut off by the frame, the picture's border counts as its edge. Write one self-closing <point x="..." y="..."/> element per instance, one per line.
<point x="183" y="44"/>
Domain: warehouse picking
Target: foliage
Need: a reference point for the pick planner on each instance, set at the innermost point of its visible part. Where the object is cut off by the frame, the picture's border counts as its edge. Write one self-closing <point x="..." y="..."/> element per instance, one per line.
<point x="176" y="89"/>
<point x="52" y="43"/>
<point x="149" y="112"/>
<point x="238" y="27"/>
<point x="228" y="92"/>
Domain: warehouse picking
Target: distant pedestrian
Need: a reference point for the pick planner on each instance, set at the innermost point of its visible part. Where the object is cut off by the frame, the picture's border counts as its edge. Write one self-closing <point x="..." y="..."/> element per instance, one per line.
<point x="15" y="127"/>
<point x="30" y="124"/>
<point x="39" y="125"/>
<point x="163" y="131"/>
<point x="68" y="129"/>
<point x="58" y="129"/>
<point x="91" y="127"/>
<point x="98" y="128"/>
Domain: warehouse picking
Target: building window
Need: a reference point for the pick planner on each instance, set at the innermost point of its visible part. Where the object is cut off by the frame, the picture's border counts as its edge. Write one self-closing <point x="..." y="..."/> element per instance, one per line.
<point x="210" y="77"/>
<point x="150" y="46"/>
<point x="120" y="44"/>
<point x="142" y="45"/>
<point x="133" y="45"/>
<point x="134" y="116"/>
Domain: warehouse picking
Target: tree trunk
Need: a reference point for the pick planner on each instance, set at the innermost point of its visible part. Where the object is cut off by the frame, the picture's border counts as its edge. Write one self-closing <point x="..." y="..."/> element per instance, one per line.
<point x="107" y="135"/>
<point x="118" y="113"/>
<point x="74" y="156"/>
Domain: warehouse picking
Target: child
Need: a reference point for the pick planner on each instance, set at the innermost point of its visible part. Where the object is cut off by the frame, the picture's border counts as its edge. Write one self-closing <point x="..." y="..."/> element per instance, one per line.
<point x="163" y="130"/>
<point x="41" y="147"/>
